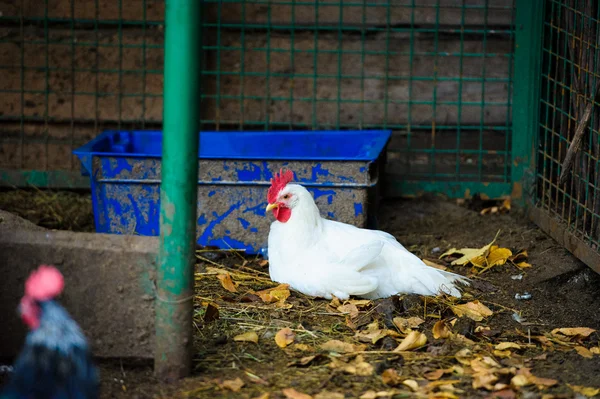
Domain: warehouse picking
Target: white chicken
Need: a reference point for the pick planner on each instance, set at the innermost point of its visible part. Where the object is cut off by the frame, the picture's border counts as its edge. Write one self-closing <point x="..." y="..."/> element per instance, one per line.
<point x="324" y="258"/>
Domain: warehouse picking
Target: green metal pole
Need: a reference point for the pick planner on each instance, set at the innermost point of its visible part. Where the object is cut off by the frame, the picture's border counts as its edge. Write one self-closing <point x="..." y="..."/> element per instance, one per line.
<point x="526" y="97"/>
<point x="178" y="194"/>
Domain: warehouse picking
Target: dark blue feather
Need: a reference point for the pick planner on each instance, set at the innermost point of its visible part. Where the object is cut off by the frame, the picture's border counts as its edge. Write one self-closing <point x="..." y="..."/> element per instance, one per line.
<point x="55" y="362"/>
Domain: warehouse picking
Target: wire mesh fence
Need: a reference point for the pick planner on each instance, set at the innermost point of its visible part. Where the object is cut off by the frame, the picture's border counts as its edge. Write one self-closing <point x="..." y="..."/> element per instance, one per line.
<point x="437" y="72"/>
<point x="568" y="169"/>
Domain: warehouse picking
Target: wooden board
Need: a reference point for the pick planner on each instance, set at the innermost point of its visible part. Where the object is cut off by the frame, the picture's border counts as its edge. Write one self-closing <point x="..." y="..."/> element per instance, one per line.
<point x="293" y="85"/>
<point x="360" y="13"/>
<point x="370" y="12"/>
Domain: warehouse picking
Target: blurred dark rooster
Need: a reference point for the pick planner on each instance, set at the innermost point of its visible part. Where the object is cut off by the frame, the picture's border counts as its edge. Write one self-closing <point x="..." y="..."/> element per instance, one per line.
<point x="55" y="362"/>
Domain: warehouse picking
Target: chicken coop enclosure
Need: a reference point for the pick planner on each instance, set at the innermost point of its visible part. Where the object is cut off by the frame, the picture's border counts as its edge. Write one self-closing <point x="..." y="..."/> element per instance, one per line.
<point x="482" y="96"/>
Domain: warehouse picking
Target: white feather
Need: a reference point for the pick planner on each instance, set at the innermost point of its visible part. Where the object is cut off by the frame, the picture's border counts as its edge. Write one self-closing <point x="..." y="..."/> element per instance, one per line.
<point x="321" y="258"/>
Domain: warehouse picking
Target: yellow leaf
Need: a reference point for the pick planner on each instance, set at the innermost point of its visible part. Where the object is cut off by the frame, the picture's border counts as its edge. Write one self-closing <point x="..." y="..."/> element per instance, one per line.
<point x="291" y="393"/>
<point x="360" y="302"/>
<point x="276" y="294"/>
<point x="474" y="310"/>
<point x="413" y="340"/>
<point x="595" y="350"/>
<point x="329" y="395"/>
<point x="585" y="391"/>
<point x="434" y="265"/>
<point x="357" y="367"/>
<point x="250" y="336"/>
<point x="442" y="395"/>
<point x="341" y="347"/>
<point x="577" y="332"/>
<point x="469" y="253"/>
<point x="507" y="345"/>
<point x="484" y="380"/>
<point x="227" y="282"/>
<point x="498" y="256"/>
<point x="502" y="354"/>
<point x="412" y="384"/>
<point x="441" y="330"/>
<point x="265" y="395"/>
<point x="519" y="257"/>
<point x="406" y="325"/>
<point x="233" y="385"/>
<point x="522" y="265"/>
<point x="464" y="356"/>
<point x="584" y="352"/>
<point x="284" y="337"/>
<point x="302" y="347"/>
<point x="390" y="377"/>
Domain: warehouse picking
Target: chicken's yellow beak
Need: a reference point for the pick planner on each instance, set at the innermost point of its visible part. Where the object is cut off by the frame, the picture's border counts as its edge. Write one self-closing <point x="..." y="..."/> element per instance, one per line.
<point x="272" y="206"/>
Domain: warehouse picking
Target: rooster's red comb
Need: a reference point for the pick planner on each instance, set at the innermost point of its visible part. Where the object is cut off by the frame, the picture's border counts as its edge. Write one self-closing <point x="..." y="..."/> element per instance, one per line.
<point x="44" y="283"/>
<point x="280" y="180"/>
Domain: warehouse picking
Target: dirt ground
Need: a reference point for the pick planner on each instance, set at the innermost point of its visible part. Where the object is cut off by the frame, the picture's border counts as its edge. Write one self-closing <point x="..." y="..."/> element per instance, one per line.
<point x="351" y="349"/>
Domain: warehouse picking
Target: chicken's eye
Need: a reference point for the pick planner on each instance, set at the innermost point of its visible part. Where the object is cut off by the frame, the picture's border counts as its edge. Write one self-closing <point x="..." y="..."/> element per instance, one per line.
<point x="286" y="196"/>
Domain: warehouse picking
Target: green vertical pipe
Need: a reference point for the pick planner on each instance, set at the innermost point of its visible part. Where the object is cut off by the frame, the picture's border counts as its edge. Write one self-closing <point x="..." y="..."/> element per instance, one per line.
<point x="178" y="194"/>
<point x="529" y="21"/>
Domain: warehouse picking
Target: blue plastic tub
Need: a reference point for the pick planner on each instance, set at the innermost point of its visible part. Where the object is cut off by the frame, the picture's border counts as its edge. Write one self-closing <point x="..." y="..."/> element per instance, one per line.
<point x="340" y="168"/>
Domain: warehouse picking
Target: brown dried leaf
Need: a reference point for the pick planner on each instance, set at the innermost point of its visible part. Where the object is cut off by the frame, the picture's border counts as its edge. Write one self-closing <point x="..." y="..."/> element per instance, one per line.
<point x="276" y="294"/>
<point x="302" y="347"/>
<point x="305" y="361"/>
<point x="524" y="377"/>
<point x="357" y="367"/>
<point x="474" y="310"/>
<point x="406" y="325"/>
<point x="350" y="309"/>
<point x="391" y="377"/>
<point x="502" y="394"/>
<point x="484" y="380"/>
<point x="284" y="337"/>
<point x="291" y="393"/>
<point x="595" y="350"/>
<point x="227" y="282"/>
<point x="250" y="336"/>
<point x="576" y="332"/>
<point x="585" y="391"/>
<point x="265" y="395"/>
<point x="585" y="352"/>
<point x="441" y="330"/>
<point x="464" y="356"/>
<point x="233" y="385"/>
<point x="263" y="263"/>
<point x="338" y="346"/>
<point x="435" y="375"/>
<point x="360" y="303"/>
<point x="211" y="313"/>
<point x="413" y="340"/>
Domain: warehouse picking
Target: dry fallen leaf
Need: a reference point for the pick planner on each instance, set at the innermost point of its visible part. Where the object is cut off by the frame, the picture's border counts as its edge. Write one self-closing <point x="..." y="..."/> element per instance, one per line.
<point x="263" y="263"/>
<point x="464" y="356"/>
<point x="576" y="332"/>
<point x="341" y="347"/>
<point x="498" y="256"/>
<point x="357" y="367"/>
<point x="413" y="340"/>
<point x="484" y="379"/>
<point x="250" y="336"/>
<point x="291" y="393"/>
<point x="435" y="375"/>
<point x="525" y="378"/>
<point x="276" y="294"/>
<point x="212" y="313"/>
<point x="584" y="352"/>
<point x="412" y="384"/>
<point x="469" y="254"/>
<point x="595" y="350"/>
<point x="227" y="282"/>
<point x="302" y="347"/>
<point x="585" y="391"/>
<point x="233" y="385"/>
<point x="265" y="395"/>
<point x="406" y="325"/>
<point x="474" y="310"/>
<point x="329" y="395"/>
<point x="284" y="337"/>
<point x="441" y="330"/>
<point x="350" y="309"/>
<point x="390" y="377"/>
<point x="507" y="345"/>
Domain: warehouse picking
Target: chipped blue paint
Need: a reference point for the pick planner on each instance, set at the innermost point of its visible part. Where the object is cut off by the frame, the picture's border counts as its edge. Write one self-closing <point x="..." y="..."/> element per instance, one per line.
<point x="124" y="169"/>
<point x="245" y="224"/>
<point x="358" y="209"/>
<point x="319" y="193"/>
<point x="258" y="210"/>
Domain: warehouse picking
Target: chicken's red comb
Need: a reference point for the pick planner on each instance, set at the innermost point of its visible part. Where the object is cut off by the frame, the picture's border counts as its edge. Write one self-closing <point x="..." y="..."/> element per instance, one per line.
<point x="44" y="283"/>
<point x="280" y="180"/>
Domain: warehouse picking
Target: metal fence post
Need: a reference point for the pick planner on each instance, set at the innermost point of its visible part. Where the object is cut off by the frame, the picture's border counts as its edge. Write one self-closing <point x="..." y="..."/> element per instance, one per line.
<point x="174" y="302"/>
<point x="528" y="53"/>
